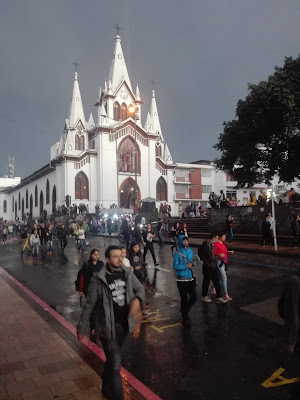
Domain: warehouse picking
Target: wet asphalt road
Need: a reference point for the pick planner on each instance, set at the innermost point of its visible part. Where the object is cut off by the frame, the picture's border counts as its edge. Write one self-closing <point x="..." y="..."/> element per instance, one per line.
<point x="228" y="351"/>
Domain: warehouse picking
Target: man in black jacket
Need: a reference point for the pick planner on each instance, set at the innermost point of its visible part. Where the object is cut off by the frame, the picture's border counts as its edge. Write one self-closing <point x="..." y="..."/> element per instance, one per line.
<point x="116" y="294"/>
<point x="210" y="271"/>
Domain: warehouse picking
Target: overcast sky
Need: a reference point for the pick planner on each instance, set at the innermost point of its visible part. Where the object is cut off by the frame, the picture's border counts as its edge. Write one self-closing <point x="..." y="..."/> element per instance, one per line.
<point x="200" y="53"/>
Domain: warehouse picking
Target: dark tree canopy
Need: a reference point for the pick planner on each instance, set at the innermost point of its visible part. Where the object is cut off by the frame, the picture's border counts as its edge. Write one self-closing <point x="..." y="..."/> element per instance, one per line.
<point x="264" y="138"/>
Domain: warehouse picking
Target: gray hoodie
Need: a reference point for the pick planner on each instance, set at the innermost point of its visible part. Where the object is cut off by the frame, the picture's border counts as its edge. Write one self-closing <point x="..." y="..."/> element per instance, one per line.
<point x="99" y="297"/>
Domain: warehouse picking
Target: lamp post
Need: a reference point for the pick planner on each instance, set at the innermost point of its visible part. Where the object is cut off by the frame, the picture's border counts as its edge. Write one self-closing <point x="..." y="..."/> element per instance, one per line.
<point x="274" y="220"/>
<point x="132" y="109"/>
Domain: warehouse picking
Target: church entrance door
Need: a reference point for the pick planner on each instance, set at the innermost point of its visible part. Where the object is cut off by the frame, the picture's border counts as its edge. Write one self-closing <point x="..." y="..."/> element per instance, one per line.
<point x="129" y="194"/>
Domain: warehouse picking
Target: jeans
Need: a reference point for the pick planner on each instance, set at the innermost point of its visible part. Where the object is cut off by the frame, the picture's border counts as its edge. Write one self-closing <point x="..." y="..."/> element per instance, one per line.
<point x="81" y="243"/>
<point x="63" y="242"/>
<point x="149" y="246"/>
<point x="111" y="379"/>
<point x="160" y="238"/>
<point x="35" y="249"/>
<point x="166" y="228"/>
<point x="49" y="245"/>
<point x="230" y="235"/>
<point x="175" y="240"/>
<point x="180" y="213"/>
<point x="188" y="295"/>
<point x="211" y="274"/>
<point x="223" y="277"/>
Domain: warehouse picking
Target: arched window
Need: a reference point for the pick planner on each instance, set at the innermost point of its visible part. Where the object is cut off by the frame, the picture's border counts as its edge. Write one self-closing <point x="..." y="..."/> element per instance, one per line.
<point x="129" y="159"/>
<point x="4" y="206"/>
<point x="41" y="203"/>
<point x="23" y="213"/>
<point x="158" y="150"/>
<point x="81" y="143"/>
<point x="31" y="205"/>
<point x="94" y="144"/>
<point x="47" y="192"/>
<point x="26" y="198"/>
<point x="13" y="204"/>
<point x="81" y="186"/>
<point x="123" y="115"/>
<point x="54" y="198"/>
<point x="35" y="196"/>
<point x="116" y="111"/>
<point x="19" y="201"/>
<point x="161" y="189"/>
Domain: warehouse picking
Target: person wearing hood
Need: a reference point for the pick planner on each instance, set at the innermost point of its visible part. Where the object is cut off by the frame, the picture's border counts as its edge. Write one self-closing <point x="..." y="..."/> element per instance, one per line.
<point x="115" y="294"/>
<point x="186" y="282"/>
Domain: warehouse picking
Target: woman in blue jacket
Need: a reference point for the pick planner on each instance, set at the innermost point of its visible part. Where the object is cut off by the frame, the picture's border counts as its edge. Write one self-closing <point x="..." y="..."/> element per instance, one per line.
<point x="186" y="282"/>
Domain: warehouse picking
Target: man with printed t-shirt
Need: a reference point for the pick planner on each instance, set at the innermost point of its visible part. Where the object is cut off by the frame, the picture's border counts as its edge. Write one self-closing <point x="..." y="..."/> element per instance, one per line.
<point x="116" y="295"/>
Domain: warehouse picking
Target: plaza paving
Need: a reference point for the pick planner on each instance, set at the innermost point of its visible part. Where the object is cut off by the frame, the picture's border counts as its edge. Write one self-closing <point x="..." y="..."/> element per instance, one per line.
<point x="228" y="352"/>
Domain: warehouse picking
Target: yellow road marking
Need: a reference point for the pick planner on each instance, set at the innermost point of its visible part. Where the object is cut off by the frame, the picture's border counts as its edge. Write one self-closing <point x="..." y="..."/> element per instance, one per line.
<point x="282" y="381"/>
<point x="161" y="329"/>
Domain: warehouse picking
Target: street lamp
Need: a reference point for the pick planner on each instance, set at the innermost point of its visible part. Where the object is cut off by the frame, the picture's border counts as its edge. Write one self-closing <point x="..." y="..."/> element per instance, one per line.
<point x="133" y="110"/>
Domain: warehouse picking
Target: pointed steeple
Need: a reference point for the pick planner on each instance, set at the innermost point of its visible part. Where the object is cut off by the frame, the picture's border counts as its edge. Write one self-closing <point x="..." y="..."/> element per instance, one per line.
<point x="137" y="93"/>
<point x="102" y="116"/>
<point x="76" y="112"/>
<point x="118" y="70"/>
<point x="91" y="122"/>
<point x="105" y="86"/>
<point x="147" y="123"/>
<point x="154" y="124"/>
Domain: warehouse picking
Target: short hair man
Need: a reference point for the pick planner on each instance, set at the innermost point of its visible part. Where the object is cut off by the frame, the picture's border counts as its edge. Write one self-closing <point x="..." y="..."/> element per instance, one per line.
<point x="115" y="293"/>
<point x="210" y="271"/>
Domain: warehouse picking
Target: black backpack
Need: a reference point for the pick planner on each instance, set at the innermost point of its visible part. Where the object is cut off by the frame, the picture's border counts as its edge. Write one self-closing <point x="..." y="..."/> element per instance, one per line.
<point x="200" y="251"/>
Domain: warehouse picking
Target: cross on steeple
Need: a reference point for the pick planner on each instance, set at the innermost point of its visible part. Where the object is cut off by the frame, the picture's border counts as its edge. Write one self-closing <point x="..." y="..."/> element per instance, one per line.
<point x="76" y="64"/>
<point x="153" y="85"/>
<point x="118" y="29"/>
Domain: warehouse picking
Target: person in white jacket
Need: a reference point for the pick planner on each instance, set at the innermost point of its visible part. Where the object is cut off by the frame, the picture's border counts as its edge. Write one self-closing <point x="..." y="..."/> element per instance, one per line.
<point x="35" y="243"/>
<point x="81" y="238"/>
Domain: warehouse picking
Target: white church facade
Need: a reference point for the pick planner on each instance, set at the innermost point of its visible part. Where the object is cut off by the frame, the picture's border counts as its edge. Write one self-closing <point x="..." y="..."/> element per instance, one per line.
<point x="113" y="160"/>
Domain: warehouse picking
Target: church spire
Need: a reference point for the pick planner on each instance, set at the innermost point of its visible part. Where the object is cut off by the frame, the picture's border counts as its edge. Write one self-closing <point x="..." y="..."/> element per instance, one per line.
<point x="118" y="70"/>
<point x="154" y="123"/>
<point x="76" y="112"/>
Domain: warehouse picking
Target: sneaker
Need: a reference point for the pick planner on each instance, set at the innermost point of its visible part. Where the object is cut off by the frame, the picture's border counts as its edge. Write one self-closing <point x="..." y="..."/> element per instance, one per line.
<point x="206" y="299"/>
<point x="228" y="298"/>
<point x="146" y="314"/>
<point x="221" y="301"/>
<point x="213" y="290"/>
<point x="156" y="264"/>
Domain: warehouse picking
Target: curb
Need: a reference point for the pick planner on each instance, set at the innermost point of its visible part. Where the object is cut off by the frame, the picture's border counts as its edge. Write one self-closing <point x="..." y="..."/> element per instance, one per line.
<point x="138" y="386"/>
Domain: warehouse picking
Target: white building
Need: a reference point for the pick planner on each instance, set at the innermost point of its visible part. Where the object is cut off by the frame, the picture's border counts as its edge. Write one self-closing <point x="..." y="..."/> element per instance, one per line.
<point x="113" y="160"/>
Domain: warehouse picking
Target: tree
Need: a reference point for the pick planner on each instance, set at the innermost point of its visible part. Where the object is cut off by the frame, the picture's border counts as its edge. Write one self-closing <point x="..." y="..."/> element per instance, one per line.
<point x="264" y="139"/>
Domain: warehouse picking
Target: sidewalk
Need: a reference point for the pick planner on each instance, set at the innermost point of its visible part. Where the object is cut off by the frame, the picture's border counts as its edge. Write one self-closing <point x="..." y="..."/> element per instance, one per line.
<point x="38" y="359"/>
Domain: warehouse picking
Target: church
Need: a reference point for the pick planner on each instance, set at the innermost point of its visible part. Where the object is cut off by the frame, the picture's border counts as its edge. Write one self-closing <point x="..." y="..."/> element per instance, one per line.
<point x="116" y="159"/>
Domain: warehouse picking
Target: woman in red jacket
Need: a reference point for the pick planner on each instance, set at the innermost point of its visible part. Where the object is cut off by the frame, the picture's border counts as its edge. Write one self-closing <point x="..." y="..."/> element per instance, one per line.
<point x="221" y="251"/>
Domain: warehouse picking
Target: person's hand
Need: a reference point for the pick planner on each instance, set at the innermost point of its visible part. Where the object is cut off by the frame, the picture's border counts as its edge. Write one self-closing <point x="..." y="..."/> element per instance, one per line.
<point x="80" y="294"/>
<point x="134" y="306"/>
<point x="291" y="348"/>
<point x="231" y="251"/>
<point x="221" y="255"/>
<point x="137" y="267"/>
<point x="80" y="337"/>
<point x="189" y="265"/>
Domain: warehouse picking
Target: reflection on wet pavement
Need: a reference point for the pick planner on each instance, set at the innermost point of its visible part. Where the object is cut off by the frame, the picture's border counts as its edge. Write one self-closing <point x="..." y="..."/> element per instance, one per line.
<point x="229" y="349"/>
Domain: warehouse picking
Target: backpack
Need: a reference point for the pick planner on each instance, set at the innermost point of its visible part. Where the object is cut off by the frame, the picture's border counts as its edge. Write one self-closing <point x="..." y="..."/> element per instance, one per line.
<point x="82" y="271"/>
<point x="200" y="251"/>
